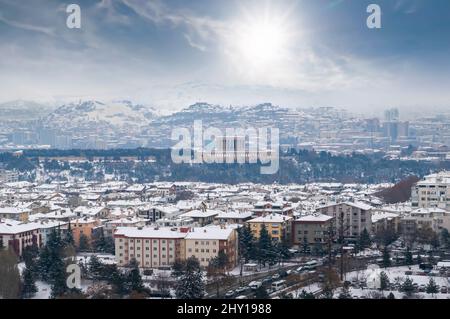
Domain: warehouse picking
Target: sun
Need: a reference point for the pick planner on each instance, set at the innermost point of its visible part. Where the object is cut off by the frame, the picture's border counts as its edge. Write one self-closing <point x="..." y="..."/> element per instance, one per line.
<point x="261" y="42"/>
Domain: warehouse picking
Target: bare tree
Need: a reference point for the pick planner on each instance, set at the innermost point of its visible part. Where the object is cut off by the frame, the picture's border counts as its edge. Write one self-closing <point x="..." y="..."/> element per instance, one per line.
<point x="9" y="275"/>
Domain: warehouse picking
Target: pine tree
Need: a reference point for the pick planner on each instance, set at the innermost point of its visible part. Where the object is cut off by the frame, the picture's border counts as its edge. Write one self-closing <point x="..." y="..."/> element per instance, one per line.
<point x="408" y="287"/>
<point x="178" y="268"/>
<point x="83" y="244"/>
<point x="118" y="280"/>
<point x="306" y="295"/>
<point x="386" y="258"/>
<point x="408" y="257"/>
<point x="190" y="285"/>
<point x="246" y="243"/>
<point x="384" y="281"/>
<point x="265" y="247"/>
<point x="69" y="236"/>
<point x="134" y="277"/>
<point x="391" y="296"/>
<point x="345" y="293"/>
<point x="364" y="239"/>
<point x="95" y="268"/>
<point x="28" y="286"/>
<point x="432" y="287"/>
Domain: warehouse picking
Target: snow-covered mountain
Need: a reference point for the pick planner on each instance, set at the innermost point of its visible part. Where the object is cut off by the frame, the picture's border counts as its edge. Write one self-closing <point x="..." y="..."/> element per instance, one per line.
<point x="24" y="110"/>
<point x="87" y="113"/>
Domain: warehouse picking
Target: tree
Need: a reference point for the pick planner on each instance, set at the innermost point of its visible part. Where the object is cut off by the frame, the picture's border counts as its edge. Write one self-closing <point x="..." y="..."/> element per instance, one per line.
<point x="408" y="257"/>
<point x="103" y="244"/>
<point x="95" y="268"/>
<point x="345" y="293"/>
<point x="190" y="285"/>
<point x="29" y="256"/>
<point x="364" y="240"/>
<point x="386" y="257"/>
<point x="9" y="275"/>
<point x="330" y="283"/>
<point x="134" y="277"/>
<point x="391" y="296"/>
<point x="408" y="287"/>
<point x="261" y="293"/>
<point x="118" y="280"/>
<point x="432" y="288"/>
<point x="246" y="243"/>
<point x="28" y="286"/>
<point x="445" y="238"/>
<point x="178" y="268"/>
<point x="69" y="236"/>
<point x="83" y="244"/>
<point x="265" y="247"/>
<point x="384" y="281"/>
<point x="306" y="295"/>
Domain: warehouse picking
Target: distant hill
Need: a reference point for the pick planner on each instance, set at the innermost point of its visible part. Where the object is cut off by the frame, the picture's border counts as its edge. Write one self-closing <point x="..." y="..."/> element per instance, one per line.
<point x="22" y="110"/>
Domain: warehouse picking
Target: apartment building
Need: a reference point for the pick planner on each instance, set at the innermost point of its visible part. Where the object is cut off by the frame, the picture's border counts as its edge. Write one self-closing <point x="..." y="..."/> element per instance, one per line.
<point x="277" y="225"/>
<point x="432" y="191"/>
<point x="267" y="207"/>
<point x="351" y="218"/>
<point x="15" y="213"/>
<point x="17" y="235"/>
<point x="435" y="219"/>
<point x="205" y="243"/>
<point x="233" y="217"/>
<point x="312" y="230"/>
<point x="84" y="226"/>
<point x="152" y="247"/>
<point x="155" y="247"/>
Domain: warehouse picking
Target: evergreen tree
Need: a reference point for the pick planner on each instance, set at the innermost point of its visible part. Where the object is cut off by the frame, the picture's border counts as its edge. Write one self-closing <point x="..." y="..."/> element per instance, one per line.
<point x="408" y="287"/>
<point x="386" y="257"/>
<point x="28" y="286"/>
<point x="306" y="295"/>
<point x="190" y="285"/>
<point x="391" y="296"/>
<point x="432" y="288"/>
<point x="384" y="281"/>
<point x="118" y="280"/>
<point x="69" y="236"/>
<point x="246" y="243"/>
<point x="178" y="268"/>
<point x="408" y="257"/>
<point x="364" y="240"/>
<point x="345" y="293"/>
<point x="134" y="277"/>
<point x="83" y="244"/>
<point x="29" y="256"/>
<point x="222" y="260"/>
<point x="265" y="247"/>
<point x="261" y="293"/>
<point x="445" y="238"/>
<point x="95" y="268"/>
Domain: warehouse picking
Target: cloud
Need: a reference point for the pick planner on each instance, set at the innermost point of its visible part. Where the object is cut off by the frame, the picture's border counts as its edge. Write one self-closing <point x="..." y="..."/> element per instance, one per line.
<point x="27" y="27"/>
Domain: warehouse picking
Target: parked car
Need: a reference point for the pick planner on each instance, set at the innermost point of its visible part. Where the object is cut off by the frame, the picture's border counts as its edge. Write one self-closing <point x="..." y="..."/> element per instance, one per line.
<point x="241" y="297"/>
<point x="255" y="285"/>
<point x="444" y="290"/>
<point x="230" y="294"/>
<point x="266" y="281"/>
<point x="276" y="277"/>
<point x="241" y="290"/>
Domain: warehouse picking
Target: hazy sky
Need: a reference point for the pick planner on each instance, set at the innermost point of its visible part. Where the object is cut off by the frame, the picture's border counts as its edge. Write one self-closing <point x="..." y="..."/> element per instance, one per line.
<point x="172" y="53"/>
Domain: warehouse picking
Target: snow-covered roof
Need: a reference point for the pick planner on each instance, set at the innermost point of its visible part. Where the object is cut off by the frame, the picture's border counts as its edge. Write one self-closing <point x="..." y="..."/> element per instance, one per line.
<point x="271" y="218"/>
<point x="314" y="218"/>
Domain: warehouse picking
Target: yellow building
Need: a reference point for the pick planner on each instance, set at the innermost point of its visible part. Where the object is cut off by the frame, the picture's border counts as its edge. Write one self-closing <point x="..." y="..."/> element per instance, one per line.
<point x="277" y="226"/>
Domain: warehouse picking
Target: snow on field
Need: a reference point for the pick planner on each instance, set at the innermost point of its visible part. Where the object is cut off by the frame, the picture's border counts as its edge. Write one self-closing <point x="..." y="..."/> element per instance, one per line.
<point x="399" y="272"/>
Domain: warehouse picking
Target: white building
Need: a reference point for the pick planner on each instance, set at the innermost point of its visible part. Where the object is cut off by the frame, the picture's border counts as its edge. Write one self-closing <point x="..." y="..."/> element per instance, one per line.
<point x="432" y="191"/>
